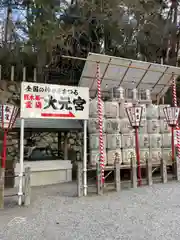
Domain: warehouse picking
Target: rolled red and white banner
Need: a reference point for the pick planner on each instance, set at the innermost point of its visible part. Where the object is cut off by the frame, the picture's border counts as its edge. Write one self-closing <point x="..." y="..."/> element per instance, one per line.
<point x="100" y="120"/>
<point x="174" y="99"/>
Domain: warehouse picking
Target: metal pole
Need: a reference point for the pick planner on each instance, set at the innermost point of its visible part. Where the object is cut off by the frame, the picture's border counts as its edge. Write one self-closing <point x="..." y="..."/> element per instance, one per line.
<point x="138" y="156"/>
<point x="21" y="160"/>
<point x="20" y="193"/>
<point x="85" y="160"/>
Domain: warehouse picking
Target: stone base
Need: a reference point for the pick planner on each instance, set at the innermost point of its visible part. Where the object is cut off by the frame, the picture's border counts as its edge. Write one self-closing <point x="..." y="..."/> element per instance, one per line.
<point x="47" y="172"/>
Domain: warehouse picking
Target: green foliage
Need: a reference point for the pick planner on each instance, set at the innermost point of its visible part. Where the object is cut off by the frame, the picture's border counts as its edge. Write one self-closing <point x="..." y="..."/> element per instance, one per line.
<point x="132" y="29"/>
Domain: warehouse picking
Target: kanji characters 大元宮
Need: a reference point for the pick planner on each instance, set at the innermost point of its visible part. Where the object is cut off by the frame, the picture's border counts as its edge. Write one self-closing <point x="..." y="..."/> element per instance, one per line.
<point x="78" y="103"/>
<point x="51" y="102"/>
<point x="65" y="104"/>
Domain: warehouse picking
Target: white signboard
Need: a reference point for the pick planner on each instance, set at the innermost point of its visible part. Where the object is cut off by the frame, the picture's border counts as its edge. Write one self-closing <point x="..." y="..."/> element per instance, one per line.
<point x="54" y="101"/>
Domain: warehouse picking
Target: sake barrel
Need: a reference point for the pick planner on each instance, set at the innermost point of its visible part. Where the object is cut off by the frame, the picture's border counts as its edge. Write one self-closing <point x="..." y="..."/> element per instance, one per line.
<point x="167" y="155"/>
<point x="125" y="126"/>
<point x="128" y="140"/>
<point x="144" y="140"/>
<point x="112" y="125"/>
<point x="93" y="108"/>
<point x="152" y="111"/>
<point x="164" y="127"/>
<point x="93" y="125"/>
<point x="153" y="126"/>
<point x="143" y="126"/>
<point x="144" y="153"/>
<point x="114" y="155"/>
<point x="166" y="140"/>
<point x="94" y="140"/>
<point x="94" y="157"/>
<point x="155" y="140"/>
<point x="127" y="154"/>
<point x="156" y="155"/>
<point x="113" y="141"/>
<point x="111" y="109"/>
<point x="122" y="109"/>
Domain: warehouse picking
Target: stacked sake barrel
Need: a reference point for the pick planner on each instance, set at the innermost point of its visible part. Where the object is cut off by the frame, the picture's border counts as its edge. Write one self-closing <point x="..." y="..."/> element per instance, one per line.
<point x="113" y="136"/>
<point x="165" y="131"/>
<point x="119" y="137"/>
<point x="144" y="141"/>
<point x="153" y="130"/>
<point x="127" y="134"/>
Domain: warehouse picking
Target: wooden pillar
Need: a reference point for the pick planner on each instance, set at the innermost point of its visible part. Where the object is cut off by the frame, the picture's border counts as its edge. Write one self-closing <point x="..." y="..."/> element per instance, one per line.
<point x="117" y="177"/>
<point x="59" y="143"/>
<point x="2" y="174"/>
<point x="157" y="100"/>
<point x="149" y="170"/>
<point x="177" y="169"/>
<point x="163" y="100"/>
<point x="133" y="171"/>
<point x="163" y="171"/>
<point x="27" y="186"/>
<point x="98" y="180"/>
<point x="65" y="146"/>
<point x="79" y="179"/>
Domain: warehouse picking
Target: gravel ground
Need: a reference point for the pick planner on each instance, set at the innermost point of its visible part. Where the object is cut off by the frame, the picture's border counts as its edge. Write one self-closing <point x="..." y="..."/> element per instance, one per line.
<point x="55" y="214"/>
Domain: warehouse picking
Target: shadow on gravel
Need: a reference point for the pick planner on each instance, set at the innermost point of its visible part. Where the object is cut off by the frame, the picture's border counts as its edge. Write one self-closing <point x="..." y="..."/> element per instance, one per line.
<point x="62" y="190"/>
<point x="58" y="190"/>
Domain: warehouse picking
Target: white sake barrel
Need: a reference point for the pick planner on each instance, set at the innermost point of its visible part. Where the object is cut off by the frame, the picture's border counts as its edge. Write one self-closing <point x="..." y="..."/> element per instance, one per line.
<point x="93" y="125"/>
<point x="161" y="110"/>
<point x="113" y="141"/>
<point x="143" y="112"/>
<point x="112" y="155"/>
<point x="153" y="126"/>
<point x="167" y="155"/>
<point x="94" y="157"/>
<point x="155" y="140"/>
<point x="93" y="108"/>
<point x="156" y="155"/>
<point x="122" y="109"/>
<point x="143" y="154"/>
<point x="143" y="126"/>
<point x="152" y="111"/>
<point x="111" y="109"/>
<point x="126" y="155"/>
<point x="128" y="140"/>
<point x="144" y="140"/>
<point x="112" y="125"/>
<point x="166" y="140"/>
<point x="94" y="140"/>
<point x="164" y="127"/>
<point x="125" y="126"/>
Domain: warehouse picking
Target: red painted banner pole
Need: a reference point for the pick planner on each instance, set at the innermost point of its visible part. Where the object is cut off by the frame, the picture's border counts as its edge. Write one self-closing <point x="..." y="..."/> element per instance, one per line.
<point x="138" y="157"/>
<point x="174" y="102"/>
<point x="3" y="165"/>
